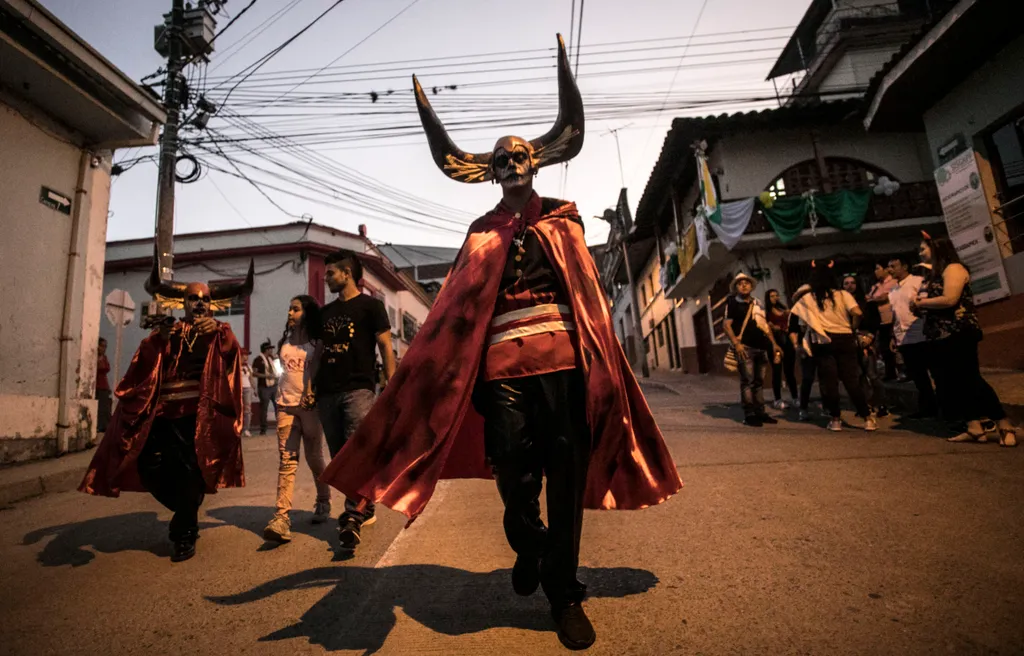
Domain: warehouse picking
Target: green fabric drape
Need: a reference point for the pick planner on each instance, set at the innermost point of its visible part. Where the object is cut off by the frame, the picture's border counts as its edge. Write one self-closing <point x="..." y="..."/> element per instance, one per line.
<point x="843" y="209"/>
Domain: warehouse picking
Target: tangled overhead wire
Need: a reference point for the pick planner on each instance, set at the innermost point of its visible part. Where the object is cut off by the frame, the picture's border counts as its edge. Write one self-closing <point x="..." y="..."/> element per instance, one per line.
<point x="193" y="175"/>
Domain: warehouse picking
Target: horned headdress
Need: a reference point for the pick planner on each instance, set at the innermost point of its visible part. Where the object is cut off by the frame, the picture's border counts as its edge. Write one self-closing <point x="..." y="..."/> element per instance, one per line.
<point x="560" y="144"/>
<point x="173" y="293"/>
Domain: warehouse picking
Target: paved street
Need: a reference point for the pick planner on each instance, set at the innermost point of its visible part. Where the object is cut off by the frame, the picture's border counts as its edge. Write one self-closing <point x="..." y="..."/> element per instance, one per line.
<point x="785" y="540"/>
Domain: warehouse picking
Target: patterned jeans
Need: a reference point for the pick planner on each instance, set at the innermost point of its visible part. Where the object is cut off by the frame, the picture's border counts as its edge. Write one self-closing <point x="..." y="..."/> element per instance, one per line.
<point x="753" y="369"/>
<point x="297" y="426"/>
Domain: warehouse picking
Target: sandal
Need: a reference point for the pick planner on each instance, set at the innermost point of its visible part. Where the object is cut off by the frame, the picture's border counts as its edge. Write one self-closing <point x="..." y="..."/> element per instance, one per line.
<point x="1008" y="437"/>
<point x="968" y="436"/>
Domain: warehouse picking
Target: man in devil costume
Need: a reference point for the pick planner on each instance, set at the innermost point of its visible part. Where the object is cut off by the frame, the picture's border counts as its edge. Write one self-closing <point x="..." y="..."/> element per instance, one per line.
<point x="175" y="432"/>
<point x="515" y="374"/>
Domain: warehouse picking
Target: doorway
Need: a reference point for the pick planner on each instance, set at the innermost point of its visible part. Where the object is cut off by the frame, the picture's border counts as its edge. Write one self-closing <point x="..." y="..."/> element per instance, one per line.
<point x="702" y="332"/>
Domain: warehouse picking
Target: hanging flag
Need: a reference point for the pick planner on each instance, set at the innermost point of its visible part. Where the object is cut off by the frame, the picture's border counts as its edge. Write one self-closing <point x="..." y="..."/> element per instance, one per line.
<point x="709" y="198"/>
<point x="735" y="217"/>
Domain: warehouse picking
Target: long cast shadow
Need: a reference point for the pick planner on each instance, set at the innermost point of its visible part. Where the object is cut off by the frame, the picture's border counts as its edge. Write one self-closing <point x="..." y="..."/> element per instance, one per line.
<point x="255" y="518"/>
<point x="138" y="531"/>
<point x="359" y="610"/>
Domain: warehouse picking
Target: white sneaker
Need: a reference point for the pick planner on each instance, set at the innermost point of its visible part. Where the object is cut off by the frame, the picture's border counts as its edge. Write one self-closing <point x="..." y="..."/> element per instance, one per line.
<point x="871" y="424"/>
<point x="835" y="425"/>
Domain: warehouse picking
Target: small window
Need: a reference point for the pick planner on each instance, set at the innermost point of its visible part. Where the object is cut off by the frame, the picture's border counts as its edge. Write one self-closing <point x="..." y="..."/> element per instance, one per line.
<point x="409" y="327"/>
<point x="661" y="336"/>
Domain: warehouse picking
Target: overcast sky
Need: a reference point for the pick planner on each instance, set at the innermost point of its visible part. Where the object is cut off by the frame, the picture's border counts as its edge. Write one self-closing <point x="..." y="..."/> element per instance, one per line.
<point x="728" y="30"/>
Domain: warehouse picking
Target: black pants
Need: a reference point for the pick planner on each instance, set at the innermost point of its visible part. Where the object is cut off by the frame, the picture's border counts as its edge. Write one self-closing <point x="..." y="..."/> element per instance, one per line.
<point x="535" y="426"/>
<point x="838" y="361"/>
<point x="103" y="406"/>
<point x="785" y="368"/>
<point x="959" y="381"/>
<point x="168" y="468"/>
<point x="808" y="369"/>
<point x="916" y="364"/>
<point x="884" y="342"/>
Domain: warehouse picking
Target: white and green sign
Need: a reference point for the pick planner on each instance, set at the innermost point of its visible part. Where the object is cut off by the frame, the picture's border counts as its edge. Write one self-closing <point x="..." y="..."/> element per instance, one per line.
<point x="969" y="223"/>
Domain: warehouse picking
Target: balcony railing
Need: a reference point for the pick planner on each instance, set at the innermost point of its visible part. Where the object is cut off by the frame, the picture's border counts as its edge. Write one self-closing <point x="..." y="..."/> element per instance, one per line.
<point x="913" y="200"/>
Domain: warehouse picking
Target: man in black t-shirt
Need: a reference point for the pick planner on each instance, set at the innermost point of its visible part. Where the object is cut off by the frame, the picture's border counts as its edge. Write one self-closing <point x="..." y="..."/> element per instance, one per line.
<point x="344" y="369"/>
<point x="752" y="347"/>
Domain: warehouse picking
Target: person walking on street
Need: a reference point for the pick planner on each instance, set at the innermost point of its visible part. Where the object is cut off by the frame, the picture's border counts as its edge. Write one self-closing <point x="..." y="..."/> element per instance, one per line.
<point x="266" y="382"/>
<point x="246" y="394"/>
<point x="103" y="400"/>
<point x="778" y="318"/>
<point x="808" y="365"/>
<point x="747" y="329"/>
<point x="297" y="420"/>
<point x="879" y="296"/>
<point x="354" y="325"/>
<point x="952" y="329"/>
<point x="908" y="335"/>
<point x="832" y="316"/>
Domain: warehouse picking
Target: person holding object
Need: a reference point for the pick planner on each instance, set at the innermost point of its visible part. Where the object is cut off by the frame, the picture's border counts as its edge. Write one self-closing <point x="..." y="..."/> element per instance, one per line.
<point x="517" y="374"/>
<point x="952" y="329"/>
<point x="297" y="422"/>
<point x="746" y="327"/>
<point x="176" y="430"/>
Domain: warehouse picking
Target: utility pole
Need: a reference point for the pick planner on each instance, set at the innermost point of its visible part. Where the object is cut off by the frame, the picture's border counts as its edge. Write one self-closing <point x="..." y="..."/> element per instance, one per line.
<point x="173" y="89"/>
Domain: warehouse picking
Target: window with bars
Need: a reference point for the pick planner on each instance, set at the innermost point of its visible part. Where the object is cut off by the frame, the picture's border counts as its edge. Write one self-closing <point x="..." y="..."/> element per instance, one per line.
<point x="840" y="172"/>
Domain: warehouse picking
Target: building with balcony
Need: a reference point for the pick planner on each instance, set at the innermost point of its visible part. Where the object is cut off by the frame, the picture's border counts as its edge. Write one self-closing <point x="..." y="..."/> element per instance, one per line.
<point x="64" y="109"/>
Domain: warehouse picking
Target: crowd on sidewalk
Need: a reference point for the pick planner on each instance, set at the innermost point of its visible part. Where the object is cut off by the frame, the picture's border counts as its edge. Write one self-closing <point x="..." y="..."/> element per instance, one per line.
<point x="917" y="327"/>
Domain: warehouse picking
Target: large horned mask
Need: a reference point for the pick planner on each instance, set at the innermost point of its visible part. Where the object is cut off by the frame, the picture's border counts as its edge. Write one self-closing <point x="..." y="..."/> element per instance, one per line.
<point x="514" y="160"/>
<point x="197" y="298"/>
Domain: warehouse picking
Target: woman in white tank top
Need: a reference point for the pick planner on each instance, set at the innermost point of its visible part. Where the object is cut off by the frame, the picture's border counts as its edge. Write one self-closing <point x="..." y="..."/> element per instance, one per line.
<point x="297" y="421"/>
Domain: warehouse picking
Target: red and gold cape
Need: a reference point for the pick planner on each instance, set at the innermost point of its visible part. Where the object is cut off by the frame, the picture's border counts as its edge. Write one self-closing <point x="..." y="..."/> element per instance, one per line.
<point x="218" y="425"/>
<point x="424" y="428"/>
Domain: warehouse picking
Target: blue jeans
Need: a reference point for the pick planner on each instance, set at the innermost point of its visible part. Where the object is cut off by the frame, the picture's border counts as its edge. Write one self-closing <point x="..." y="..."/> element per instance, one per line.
<point x="753" y="369"/>
<point x="340" y="415"/>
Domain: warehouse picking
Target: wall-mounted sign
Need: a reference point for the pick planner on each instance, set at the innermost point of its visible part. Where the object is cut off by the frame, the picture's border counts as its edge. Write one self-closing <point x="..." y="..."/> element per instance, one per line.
<point x="951" y="148"/>
<point x="55" y="200"/>
<point x="969" y="224"/>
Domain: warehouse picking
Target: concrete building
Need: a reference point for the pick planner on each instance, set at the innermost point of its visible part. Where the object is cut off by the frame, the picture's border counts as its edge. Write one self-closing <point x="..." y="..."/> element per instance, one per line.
<point x="427" y="265"/>
<point x="970" y="101"/>
<point x="289" y="260"/>
<point x="814" y="143"/>
<point x="63" y="110"/>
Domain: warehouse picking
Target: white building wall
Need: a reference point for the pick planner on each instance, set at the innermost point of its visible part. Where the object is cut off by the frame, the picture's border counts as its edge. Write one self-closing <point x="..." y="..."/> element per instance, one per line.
<point x="34" y="256"/>
<point x="855" y="68"/>
<point x="752" y="161"/>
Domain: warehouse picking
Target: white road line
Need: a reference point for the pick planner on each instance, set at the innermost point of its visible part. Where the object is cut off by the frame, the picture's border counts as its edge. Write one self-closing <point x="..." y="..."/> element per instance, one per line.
<point x="391" y="553"/>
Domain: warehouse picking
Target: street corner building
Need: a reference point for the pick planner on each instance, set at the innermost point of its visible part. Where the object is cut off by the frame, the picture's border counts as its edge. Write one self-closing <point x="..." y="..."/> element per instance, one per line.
<point x="64" y="109"/>
<point x="882" y="120"/>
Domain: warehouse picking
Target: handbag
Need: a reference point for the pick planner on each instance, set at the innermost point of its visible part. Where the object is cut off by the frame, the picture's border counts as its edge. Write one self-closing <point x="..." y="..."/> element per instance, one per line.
<point x="731" y="362"/>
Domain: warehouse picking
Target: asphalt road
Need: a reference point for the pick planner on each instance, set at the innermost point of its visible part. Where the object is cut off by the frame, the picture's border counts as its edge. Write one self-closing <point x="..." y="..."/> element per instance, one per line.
<point x="785" y="540"/>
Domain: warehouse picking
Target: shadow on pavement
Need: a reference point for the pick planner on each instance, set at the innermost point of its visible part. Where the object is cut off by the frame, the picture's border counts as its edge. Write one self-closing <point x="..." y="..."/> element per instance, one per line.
<point x="359" y="610"/>
<point x="139" y="531"/>
<point x="254" y="519"/>
<point x="731" y="411"/>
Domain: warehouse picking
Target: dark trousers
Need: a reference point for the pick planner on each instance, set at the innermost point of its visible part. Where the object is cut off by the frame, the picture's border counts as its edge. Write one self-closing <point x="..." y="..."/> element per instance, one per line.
<point x="838" y="361"/>
<point x="753" y="369"/>
<point x="959" y="381"/>
<point x="916" y="364"/>
<point x="340" y="415"/>
<point x="103" y="405"/>
<point x="169" y="470"/>
<point x="785" y="368"/>
<point x="537" y="426"/>
<point x="884" y="343"/>
<point x="268" y="397"/>
<point x="808" y="370"/>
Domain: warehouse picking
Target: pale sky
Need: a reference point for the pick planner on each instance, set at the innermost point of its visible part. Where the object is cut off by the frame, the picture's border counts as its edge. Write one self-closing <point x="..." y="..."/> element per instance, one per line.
<point x="728" y="30"/>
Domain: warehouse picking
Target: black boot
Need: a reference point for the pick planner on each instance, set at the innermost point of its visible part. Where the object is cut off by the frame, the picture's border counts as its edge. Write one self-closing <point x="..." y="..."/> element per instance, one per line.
<point x="185" y="547"/>
<point x="526" y="575"/>
<point x="574" y="628"/>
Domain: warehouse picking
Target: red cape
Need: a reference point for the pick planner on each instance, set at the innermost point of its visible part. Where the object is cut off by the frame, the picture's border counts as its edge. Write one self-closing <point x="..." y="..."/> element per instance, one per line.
<point x="219" y="421"/>
<point x="424" y="428"/>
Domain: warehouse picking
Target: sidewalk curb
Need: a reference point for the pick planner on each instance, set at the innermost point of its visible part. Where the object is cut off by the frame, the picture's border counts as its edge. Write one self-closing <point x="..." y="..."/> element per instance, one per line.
<point x="63" y="479"/>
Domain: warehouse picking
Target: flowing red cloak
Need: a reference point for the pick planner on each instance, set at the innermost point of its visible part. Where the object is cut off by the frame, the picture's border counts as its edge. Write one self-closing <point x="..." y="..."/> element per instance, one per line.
<point x="424" y="428"/>
<point x="218" y="425"/>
